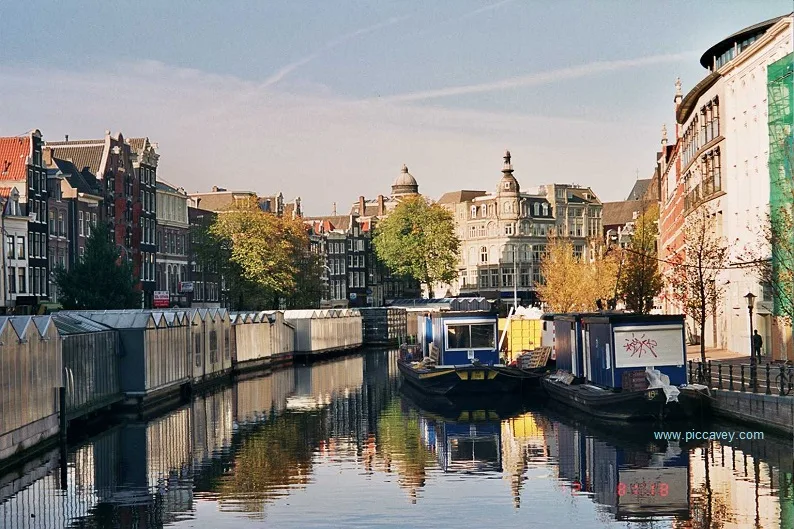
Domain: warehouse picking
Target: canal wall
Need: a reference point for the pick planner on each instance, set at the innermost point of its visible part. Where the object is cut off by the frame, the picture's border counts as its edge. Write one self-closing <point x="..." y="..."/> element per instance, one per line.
<point x="767" y="412"/>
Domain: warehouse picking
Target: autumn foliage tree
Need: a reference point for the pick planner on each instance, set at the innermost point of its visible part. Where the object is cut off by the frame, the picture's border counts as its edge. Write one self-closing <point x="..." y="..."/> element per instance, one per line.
<point x="693" y="277"/>
<point x="265" y="251"/>
<point x="418" y="239"/>
<point x="573" y="283"/>
<point x="640" y="280"/>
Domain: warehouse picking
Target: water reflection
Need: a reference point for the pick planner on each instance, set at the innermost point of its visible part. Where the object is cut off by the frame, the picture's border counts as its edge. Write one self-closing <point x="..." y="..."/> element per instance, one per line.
<point x="339" y="443"/>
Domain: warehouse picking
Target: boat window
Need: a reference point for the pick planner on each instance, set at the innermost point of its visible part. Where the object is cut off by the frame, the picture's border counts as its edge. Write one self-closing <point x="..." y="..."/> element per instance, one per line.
<point x="474" y="336"/>
<point x="482" y="336"/>
<point x="458" y="337"/>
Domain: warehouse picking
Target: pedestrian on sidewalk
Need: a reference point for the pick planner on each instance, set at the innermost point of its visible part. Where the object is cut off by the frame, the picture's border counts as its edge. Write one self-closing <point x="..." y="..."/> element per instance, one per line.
<point x="758" y="342"/>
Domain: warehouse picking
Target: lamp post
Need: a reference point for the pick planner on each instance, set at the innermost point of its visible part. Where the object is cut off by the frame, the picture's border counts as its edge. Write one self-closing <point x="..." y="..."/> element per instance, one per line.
<point x="750" y="297"/>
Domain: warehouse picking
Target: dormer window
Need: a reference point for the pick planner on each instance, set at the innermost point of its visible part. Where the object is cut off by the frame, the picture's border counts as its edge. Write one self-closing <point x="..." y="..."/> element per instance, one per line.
<point x="545" y="210"/>
<point x="536" y="208"/>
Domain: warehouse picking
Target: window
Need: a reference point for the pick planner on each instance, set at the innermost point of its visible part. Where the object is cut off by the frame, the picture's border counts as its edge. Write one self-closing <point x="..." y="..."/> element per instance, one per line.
<point x="20" y="247"/>
<point x="474" y="212"/>
<point x="12" y="283"/>
<point x="43" y="281"/>
<point x="508" y="229"/>
<point x="545" y="210"/>
<point x="483" y="278"/>
<point x="52" y="223"/>
<point x="577" y="251"/>
<point x="10" y="247"/>
<point x="494" y="278"/>
<point x="507" y="277"/>
<point x="42" y="246"/>
<point x="21" y="274"/>
<point x="471" y="336"/>
<point x="34" y="286"/>
<point x="80" y="229"/>
<point x="483" y="254"/>
<point x="536" y="209"/>
<point x="524" y="276"/>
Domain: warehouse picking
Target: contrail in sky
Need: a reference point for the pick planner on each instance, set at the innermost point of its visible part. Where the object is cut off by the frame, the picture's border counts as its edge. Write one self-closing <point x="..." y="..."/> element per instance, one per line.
<point x="539" y="78"/>
<point x="286" y="70"/>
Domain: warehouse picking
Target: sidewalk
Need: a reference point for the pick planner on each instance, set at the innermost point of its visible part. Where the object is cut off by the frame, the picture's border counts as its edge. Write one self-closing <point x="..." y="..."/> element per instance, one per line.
<point x="693" y="353"/>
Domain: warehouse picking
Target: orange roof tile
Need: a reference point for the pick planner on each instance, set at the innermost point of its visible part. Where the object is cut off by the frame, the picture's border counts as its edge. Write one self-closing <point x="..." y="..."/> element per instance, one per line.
<point x="14" y="153"/>
<point x="5" y="192"/>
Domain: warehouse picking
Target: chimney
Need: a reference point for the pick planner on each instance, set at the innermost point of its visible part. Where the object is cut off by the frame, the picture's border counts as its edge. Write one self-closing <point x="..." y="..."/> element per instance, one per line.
<point x="333" y="209"/>
<point x="46" y="153"/>
<point x="214" y="189"/>
<point x="361" y="206"/>
<point x="381" y="206"/>
<point x="66" y="137"/>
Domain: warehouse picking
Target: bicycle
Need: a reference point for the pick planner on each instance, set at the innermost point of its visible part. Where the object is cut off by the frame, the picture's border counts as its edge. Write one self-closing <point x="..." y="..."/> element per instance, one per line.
<point x="785" y="380"/>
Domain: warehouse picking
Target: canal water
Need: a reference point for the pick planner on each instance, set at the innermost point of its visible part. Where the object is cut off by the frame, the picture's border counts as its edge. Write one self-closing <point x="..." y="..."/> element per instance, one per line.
<point x="339" y="444"/>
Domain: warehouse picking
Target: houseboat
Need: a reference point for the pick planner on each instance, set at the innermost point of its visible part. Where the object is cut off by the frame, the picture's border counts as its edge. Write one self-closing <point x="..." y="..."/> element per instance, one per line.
<point x="624" y="367"/>
<point x="462" y="356"/>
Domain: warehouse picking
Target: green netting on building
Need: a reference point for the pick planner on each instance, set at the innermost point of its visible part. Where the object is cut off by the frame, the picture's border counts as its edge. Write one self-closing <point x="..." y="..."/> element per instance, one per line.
<point x="780" y="92"/>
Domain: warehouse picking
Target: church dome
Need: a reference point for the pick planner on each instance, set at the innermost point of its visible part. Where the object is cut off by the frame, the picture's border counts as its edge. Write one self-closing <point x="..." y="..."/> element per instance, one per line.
<point x="404" y="184"/>
<point x="508" y="184"/>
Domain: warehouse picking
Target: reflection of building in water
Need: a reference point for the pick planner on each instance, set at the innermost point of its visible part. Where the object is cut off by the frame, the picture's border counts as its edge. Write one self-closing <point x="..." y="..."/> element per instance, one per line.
<point x="212" y="424"/>
<point x="744" y="490"/>
<point x="137" y="475"/>
<point x="630" y="483"/>
<point x="317" y="384"/>
<point x="523" y="442"/>
<point x="257" y="399"/>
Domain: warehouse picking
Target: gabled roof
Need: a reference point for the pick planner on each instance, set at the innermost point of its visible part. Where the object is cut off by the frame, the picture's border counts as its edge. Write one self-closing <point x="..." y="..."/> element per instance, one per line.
<point x="5" y="192"/>
<point x="621" y="213"/>
<point x="82" y="153"/>
<point x="335" y="222"/>
<point x="83" y="182"/>
<point x="14" y="153"/>
<point x="457" y="197"/>
<point x="219" y="200"/>
<point x="73" y="323"/>
<point x="639" y="189"/>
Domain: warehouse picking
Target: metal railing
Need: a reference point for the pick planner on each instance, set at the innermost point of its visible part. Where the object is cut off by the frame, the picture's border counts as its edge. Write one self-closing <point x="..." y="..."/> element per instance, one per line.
<point x="764" y="378"/>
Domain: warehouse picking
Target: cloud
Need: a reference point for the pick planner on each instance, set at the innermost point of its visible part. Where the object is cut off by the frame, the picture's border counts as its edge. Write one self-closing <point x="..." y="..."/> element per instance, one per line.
<point x="539" y="78"/>
<point x="279" y="75"/>
<point x="222" y="130"/>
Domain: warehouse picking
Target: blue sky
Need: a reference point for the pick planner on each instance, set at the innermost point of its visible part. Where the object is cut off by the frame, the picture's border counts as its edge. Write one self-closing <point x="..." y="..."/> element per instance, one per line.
<point x="326" y="100"/>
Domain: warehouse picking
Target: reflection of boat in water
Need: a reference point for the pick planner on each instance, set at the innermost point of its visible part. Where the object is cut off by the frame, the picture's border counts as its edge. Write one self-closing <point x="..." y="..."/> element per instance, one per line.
<point x="632" y="475"/>
<point x="463" y="407"/>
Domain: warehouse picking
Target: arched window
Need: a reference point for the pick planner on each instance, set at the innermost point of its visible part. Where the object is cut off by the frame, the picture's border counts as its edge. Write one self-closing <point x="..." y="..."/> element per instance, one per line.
<point x="507" y="207"/>
<point x="483" y="254"/>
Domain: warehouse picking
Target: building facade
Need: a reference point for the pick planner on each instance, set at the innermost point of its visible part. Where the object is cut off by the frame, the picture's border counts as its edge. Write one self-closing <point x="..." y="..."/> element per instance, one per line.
<point x="15" y="255"/>
<point x="723" y="154"/>
<point x="504" y="234"/>
<point x="111" y="160"/>
<point x="172" y="237"/>
<point x="208" y="288"/>
<point x="22" y="167"/>
<point x="144" y="162"/>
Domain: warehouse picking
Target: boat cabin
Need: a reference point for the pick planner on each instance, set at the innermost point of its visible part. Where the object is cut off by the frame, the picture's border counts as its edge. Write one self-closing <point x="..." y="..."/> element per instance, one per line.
<point x="618" y="348"/>
<point x="547" y="334"/>
<point x="462" y="337"/>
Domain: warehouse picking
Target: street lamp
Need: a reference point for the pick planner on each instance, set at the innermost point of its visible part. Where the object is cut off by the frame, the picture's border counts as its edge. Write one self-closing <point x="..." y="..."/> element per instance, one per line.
<point x="750" y="297"/>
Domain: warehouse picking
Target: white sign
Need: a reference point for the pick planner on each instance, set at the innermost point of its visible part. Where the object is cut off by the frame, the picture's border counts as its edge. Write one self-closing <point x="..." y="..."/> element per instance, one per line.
<point x="186" y="286"/>
<point x="650" y="345"/>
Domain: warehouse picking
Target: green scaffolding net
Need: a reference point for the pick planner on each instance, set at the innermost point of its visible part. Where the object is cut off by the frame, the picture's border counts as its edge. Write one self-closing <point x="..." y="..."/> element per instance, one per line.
<point x="780" y="75"/>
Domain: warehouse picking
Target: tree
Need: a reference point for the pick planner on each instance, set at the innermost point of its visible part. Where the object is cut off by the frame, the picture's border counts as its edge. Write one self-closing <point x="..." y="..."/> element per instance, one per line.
<point x="101" y="280"/>
<point x="640" y="281"/>
<point x="693" y="277"/>
<point x="262" y="254"/>
<point x="418" y="239"/>
<point x="572" y="282"/>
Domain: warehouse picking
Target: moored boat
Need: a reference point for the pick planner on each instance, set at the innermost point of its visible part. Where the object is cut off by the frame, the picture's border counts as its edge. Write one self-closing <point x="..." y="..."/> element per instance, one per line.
<point x="463" y="358"/>
<point x="624" y="367"/>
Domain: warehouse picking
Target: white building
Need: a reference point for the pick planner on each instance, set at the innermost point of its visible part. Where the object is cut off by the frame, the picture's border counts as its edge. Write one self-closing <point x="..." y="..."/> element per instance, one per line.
<point x="724" y="154"/>
<point x="503" y="234"/>
<point x="14" y="249"/>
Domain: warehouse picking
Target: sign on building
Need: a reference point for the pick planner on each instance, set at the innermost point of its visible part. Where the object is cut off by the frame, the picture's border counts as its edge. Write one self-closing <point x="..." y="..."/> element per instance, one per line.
<point x="651" y="345"/>
<point x="186" y="286"/>
<point x="162" y="299"/>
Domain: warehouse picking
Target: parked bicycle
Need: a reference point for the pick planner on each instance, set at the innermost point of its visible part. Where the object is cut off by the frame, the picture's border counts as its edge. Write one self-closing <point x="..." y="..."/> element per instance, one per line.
<point x="785" y="380"/>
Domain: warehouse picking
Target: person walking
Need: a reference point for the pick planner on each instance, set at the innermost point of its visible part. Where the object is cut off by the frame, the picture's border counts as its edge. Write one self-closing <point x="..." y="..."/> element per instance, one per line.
<point x="758" y="342"/>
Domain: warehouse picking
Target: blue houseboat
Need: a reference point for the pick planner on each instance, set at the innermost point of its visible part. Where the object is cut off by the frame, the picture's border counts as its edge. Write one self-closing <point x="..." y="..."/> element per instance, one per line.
<point x="623" y="367"/>
<point x="462" y="357"/>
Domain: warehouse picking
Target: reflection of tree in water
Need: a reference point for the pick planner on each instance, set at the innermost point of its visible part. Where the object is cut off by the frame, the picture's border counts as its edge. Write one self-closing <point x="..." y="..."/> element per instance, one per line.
<point x="277" y="456"/>
<point x="399" y="441"/>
